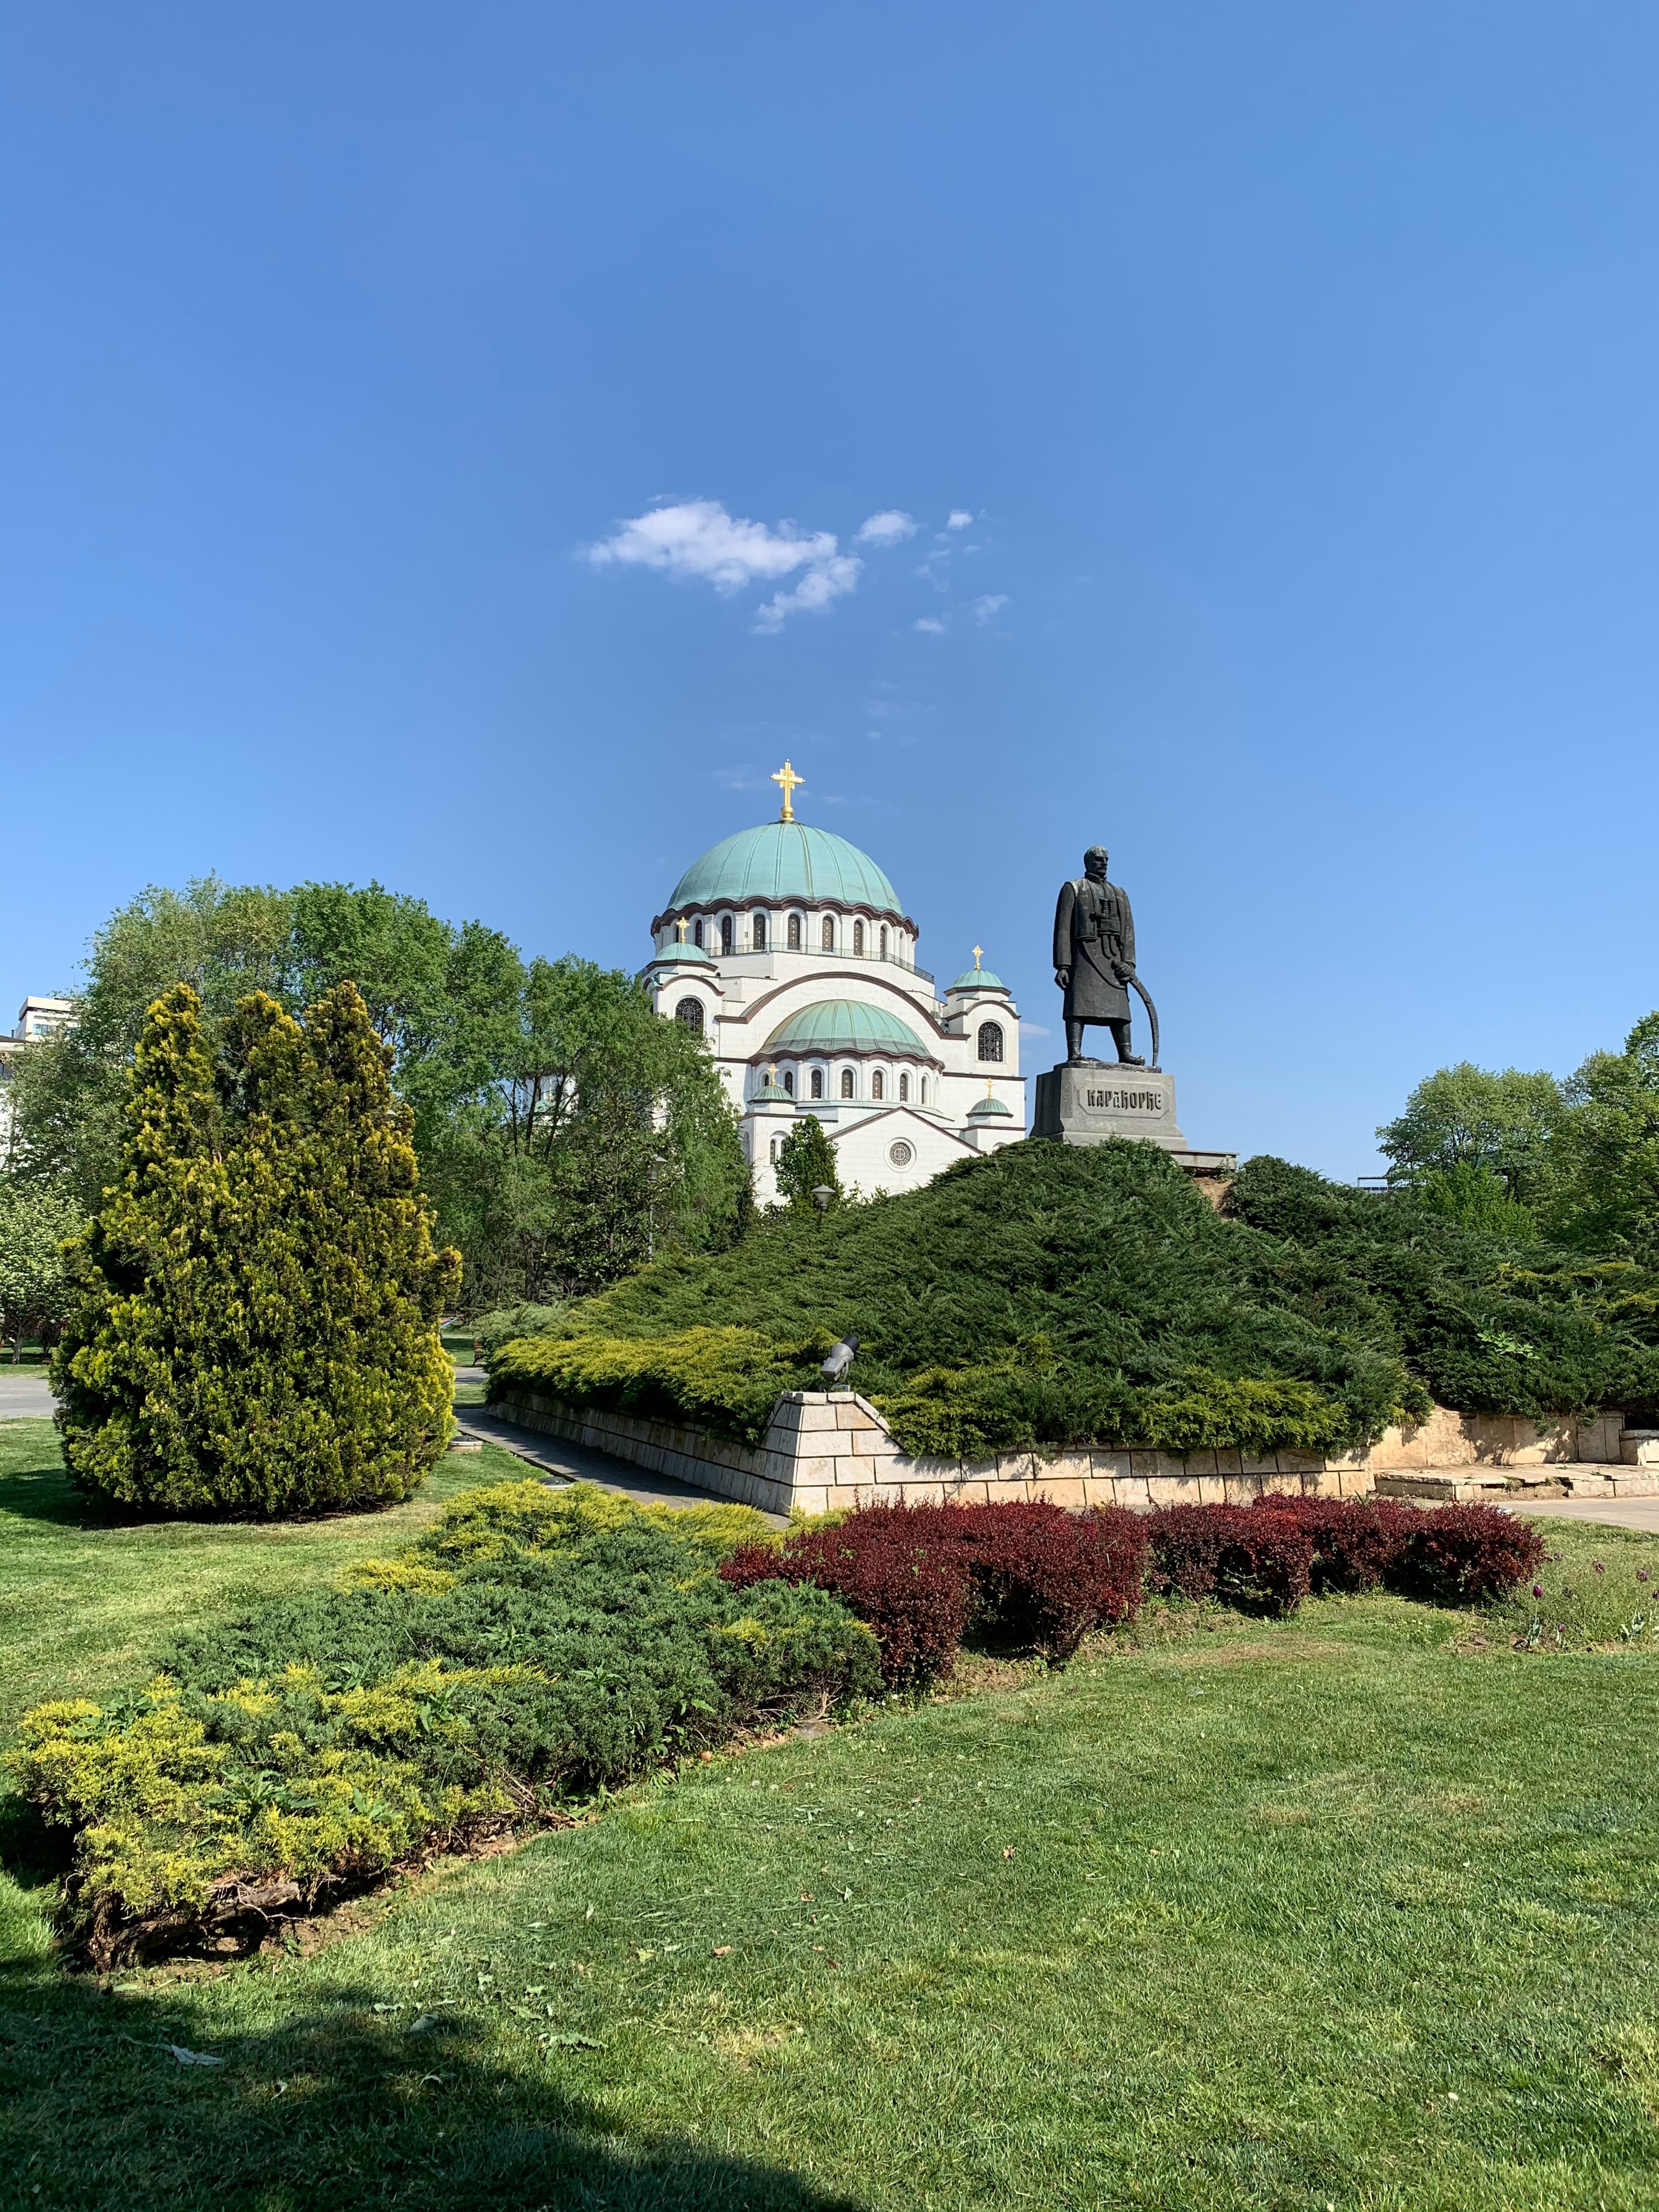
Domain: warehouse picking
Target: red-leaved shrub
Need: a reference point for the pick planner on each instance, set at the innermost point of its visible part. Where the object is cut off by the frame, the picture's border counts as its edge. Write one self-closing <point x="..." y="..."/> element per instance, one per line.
<point x="1456" y="1554"/>
<point x="919" y="1574"/>
<point x="1047" y="1578"/>
<point x="1461" y="1554"/>
<point x="1358" y="1543"/>
<point x="895" y="1566"/>
<point x="1259" y="1562"/>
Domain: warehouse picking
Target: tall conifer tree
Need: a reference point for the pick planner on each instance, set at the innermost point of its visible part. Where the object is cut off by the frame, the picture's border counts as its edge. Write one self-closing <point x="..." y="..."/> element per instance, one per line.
<point x="255" y="1329"/>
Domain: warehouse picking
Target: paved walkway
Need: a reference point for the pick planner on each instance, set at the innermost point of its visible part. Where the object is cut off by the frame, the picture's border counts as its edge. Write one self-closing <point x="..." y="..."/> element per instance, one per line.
<point x="25" y="1395"/>
<point x="581" y="1463"/>
<point x="1641" y="1513"/>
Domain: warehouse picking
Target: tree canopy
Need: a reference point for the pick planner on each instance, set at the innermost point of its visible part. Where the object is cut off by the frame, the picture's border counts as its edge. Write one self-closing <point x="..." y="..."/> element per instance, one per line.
<point x="1515" y="1154"/>
<point x="35" y="1221"/>
<point x="565" y="1133"/>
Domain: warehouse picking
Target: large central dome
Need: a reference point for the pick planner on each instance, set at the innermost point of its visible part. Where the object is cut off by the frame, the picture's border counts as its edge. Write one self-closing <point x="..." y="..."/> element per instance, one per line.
<point x="785" y="861"/>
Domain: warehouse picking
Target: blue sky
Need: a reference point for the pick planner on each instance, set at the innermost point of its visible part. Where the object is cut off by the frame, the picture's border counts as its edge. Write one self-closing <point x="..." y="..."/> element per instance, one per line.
<point x="1293" y="368"/>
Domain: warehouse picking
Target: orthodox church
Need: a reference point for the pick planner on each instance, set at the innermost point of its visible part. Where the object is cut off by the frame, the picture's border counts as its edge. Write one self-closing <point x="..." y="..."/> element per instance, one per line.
<point x="790" y="951"/>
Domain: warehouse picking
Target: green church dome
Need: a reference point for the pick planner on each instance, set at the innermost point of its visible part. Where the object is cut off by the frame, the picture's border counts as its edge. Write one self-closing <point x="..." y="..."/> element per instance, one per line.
<point x="683" y="953"/>
<point x="844" y="1025"/>
<point x="987" y="1109"/>
<point x="785" y="860"/>
<point x="978" y="979"/>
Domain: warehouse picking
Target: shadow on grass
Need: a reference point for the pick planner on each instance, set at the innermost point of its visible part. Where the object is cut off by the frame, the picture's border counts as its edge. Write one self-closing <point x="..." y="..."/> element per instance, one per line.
<point x="341" y="2109"/>
<point x="47" y="1492"/>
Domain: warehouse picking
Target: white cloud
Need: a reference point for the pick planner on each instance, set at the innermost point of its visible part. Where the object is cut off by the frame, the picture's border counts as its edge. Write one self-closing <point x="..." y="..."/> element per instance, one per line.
<point x="989" y="606"/>
<point x="958" y="518"/>
<point x="932" y="627"/>
<point x="696" y="540"/>
<point x="1034" y="1029"/>
<point x="827" y="581"/>
<point x="890" y="527"/>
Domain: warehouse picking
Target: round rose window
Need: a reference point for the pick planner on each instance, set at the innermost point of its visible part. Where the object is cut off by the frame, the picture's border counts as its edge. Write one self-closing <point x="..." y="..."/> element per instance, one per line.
<point x="900" y="1153"/>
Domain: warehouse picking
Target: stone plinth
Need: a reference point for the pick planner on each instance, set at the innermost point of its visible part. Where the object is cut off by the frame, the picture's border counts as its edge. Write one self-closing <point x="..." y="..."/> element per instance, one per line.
<point x="1084" y="1102"/>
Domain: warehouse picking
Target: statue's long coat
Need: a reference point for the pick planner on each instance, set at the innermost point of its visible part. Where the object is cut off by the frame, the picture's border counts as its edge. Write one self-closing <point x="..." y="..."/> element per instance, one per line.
<point x="1095" y="937"/>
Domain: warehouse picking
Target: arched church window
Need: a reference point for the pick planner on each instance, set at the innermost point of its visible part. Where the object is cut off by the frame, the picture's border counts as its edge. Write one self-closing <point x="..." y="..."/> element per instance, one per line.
<point x="725" y="934"/>
<point x="828" y="933"/>
<point x="884" y="940"/>
<point x="924" y="1090"/>
<point x="818" y="1083"/>
<point x="789" y="1081"/>
<point x="696" y="934"/>
<point x="990" y="1040"/>
<point x="794" y="932"/>
<point x="760" y="933"/>
<point x="846" y="1083"/>
<point x="690" y="1011"/>
<point x="775" y="1152"/>
<point x="858" y="939"/>
<point x="904" y="1088"/>
<point x="878" y="1085"/>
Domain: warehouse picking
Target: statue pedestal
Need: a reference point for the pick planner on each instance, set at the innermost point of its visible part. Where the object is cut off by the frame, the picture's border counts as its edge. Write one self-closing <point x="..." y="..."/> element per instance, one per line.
<point x="1085" y="1101"/>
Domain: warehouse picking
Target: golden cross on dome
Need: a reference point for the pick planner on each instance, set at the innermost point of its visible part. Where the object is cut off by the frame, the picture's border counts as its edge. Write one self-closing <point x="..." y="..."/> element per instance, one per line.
<point x="772" y="1077"/>
<point x="790" y="782"/>
<point x="978" y="949"/>
<point x="680" y="925"/>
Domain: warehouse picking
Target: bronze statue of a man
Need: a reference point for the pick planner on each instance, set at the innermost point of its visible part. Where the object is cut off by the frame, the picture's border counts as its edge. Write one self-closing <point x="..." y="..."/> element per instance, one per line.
<point x="1094" y="956"/>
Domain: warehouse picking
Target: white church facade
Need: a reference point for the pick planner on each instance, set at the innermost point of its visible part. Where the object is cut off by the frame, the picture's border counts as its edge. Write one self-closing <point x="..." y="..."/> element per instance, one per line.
<point x="788" y="950"/>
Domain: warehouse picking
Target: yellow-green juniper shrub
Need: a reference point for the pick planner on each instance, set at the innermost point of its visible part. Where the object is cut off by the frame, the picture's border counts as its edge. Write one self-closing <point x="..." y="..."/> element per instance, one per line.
<point x="255" y="1325"/>
<point x="536" y="1646"/>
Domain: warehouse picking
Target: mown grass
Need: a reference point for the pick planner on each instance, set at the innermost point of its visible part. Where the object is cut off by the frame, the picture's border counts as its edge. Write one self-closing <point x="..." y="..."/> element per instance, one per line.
<point x="1356" y="1910"/>
<point x="85" y="1595"/>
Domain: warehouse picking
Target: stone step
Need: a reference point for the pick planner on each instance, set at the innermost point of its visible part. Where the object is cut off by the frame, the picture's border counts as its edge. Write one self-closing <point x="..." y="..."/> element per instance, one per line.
<point x="1511" y="1486"/>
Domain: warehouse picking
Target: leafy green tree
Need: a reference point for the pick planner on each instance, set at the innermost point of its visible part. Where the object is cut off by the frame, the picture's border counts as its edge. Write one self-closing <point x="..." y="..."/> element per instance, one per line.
<point x="806" y="1162"/>
<point x="1471" y="1192"/>
<point x="222" y="940"/>
<point x="1610" y="1149"/>
<point x="564" y="1130"/>
<point x="1471" y="1117"/>
<point x="595" y="1136"/>
<point x="255" y="1329"/>
<point x="35" y="1222"/>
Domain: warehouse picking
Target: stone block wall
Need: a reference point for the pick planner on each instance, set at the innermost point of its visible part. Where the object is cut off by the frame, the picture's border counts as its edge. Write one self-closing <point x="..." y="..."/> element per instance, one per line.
<point x="827" y="1450"/>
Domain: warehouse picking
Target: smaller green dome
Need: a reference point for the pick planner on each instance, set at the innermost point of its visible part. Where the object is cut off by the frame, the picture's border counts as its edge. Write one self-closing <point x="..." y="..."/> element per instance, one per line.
<point x="683" y="953"/>
<point x="978" y="979"/>
<point x="843" y="1025"/>
<point x="989" y="1109"/>
<point x="770" y="1094"/>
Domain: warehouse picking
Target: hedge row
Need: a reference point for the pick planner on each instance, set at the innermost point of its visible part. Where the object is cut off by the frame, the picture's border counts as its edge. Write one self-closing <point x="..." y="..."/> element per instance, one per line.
<point x="922" y="1576"/>
<point x="536" y="1646"/>
<point x="726" y="1381"/>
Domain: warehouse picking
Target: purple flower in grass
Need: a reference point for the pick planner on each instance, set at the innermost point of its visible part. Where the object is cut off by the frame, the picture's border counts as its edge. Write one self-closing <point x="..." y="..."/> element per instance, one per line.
<point x="1600" y="1568"/>
<point x="1538" y="1589"/>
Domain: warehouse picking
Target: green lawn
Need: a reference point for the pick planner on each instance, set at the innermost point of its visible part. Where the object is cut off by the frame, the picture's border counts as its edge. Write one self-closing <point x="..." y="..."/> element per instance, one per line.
<point x="1355" y="1911"/>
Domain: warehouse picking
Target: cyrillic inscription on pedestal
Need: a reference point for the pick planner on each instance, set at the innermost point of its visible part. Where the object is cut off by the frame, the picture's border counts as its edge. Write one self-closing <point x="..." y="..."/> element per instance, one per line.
<point x="1082" y="1102"/>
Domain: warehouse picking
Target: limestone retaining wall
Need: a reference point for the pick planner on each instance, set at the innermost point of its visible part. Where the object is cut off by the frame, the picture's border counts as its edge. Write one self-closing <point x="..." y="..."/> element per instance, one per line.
<point x="826" y="1449"/>
<point x="1449" y="1439"/>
